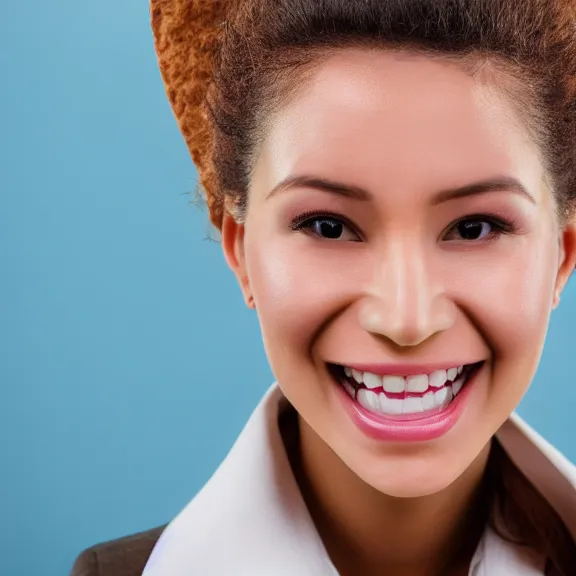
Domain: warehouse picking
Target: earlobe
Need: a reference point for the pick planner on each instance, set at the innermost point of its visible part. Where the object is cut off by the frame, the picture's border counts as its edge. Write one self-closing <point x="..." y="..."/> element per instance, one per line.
<point x="567" y="260"/>
<point x="232" y="234"/>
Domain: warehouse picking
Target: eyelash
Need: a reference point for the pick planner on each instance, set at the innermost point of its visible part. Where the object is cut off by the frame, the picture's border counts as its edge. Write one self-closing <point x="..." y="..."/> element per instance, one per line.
<point x="499" y="225"/>
<point x="305" y="220"/>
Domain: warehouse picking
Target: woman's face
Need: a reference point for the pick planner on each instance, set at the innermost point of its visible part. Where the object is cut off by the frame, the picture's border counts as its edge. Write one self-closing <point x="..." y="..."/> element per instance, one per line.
<point x="398" y="229"/>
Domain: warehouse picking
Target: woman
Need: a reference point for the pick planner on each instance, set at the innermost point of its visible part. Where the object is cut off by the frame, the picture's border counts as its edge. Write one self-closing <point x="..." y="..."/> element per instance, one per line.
<point x="395" y="186"/>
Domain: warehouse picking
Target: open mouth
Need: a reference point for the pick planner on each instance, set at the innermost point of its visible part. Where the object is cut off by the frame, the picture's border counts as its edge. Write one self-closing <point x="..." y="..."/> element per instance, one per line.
<point x="396" y="395"/>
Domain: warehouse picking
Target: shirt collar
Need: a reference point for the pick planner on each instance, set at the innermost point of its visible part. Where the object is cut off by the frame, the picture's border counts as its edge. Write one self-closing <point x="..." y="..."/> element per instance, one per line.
<point x="496" y="557"/>
<point x="250" y="518"/>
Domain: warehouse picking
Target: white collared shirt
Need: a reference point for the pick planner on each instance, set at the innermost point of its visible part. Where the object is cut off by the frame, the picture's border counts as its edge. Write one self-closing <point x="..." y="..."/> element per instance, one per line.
<point x="250" y="518"/>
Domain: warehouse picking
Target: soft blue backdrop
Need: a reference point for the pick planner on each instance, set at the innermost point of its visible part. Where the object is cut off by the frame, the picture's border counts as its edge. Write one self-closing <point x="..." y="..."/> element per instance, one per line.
<point x="119" y="323"/>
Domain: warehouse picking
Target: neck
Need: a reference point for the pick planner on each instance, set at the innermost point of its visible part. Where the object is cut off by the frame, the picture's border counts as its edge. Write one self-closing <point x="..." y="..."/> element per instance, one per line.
<point x="367" y="532"/>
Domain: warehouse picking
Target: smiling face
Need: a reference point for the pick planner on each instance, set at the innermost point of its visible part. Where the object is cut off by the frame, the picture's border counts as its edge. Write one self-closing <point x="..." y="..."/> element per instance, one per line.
<point x="398" y="224"/>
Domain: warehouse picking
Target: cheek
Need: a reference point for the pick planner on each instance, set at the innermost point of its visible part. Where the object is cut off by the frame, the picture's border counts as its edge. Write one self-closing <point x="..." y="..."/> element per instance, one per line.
<point x="296" y="294"/>
<point x="510" y="302"/>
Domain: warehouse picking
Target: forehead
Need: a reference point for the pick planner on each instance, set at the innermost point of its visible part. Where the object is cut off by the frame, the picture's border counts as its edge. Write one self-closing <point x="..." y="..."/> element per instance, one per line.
<point x="402" y="118"/>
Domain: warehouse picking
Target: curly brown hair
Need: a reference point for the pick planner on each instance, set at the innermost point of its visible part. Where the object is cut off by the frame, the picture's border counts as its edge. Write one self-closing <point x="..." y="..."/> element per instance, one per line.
<point x="228" y="64"/>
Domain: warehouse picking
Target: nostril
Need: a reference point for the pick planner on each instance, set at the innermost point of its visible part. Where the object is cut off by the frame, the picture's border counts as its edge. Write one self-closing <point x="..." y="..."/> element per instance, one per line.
<point x="409" y="321"/>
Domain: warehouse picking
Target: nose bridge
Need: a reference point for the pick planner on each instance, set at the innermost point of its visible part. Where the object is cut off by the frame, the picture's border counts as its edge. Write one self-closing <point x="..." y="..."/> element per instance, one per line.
<point x="408" y="303"/>
<point x="403" y="277"/>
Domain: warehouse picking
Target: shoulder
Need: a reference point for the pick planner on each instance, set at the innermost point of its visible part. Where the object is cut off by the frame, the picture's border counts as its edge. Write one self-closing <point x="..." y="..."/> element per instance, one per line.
<point x="121" y="557"/>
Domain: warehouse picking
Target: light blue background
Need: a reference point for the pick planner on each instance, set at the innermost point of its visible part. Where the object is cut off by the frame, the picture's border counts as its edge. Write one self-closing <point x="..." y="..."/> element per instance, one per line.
<point x="119" y="324"/>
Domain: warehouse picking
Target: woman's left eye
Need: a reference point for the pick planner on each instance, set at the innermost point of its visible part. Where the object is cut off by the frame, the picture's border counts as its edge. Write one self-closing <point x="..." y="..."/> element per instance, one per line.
<point x="327" y="227"/>
<point x="475" y="229"/>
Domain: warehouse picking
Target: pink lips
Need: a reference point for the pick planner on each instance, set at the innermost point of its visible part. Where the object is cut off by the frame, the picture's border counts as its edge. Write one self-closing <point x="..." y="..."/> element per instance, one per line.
<point x="421" y="427"/>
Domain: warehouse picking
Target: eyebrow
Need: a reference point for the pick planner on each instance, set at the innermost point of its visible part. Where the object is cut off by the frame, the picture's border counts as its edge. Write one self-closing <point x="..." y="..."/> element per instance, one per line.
<point x="322" y="184"/>
<point x="497" y="184"/>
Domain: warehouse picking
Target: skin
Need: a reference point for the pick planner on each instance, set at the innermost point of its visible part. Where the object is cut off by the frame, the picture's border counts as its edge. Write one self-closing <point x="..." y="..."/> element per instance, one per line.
<point x="399" y="286"/>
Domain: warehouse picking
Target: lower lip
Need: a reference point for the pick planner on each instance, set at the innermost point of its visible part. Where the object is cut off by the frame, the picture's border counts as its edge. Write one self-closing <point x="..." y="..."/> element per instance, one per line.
<point x="420" y="427"/>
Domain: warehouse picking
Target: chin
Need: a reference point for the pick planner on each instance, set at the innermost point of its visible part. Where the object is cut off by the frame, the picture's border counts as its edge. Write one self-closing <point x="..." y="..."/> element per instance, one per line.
<point x="407" y="487"/>
<point x="416" y="479"/>
<point x="418" y="470"/>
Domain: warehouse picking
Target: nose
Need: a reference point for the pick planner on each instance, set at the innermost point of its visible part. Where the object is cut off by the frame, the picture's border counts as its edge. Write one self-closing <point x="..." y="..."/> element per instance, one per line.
<point x="407" y="300"/>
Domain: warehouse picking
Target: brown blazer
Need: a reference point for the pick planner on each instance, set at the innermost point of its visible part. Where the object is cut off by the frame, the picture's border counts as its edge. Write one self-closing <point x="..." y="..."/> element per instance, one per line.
<point x="122" y="557"/>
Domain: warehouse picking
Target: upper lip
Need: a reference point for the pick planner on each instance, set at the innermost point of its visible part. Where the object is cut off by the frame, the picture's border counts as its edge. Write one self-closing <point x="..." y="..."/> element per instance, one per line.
<point x="406" y="369"/>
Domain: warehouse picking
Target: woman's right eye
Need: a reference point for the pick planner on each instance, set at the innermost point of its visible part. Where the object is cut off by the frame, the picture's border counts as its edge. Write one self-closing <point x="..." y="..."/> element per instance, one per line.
<point x="328" y="228"/>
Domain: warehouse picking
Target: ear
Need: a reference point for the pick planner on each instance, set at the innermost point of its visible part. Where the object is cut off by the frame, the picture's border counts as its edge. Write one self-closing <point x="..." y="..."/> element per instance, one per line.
<point x="567" y="259"/>
<point x="232" y="237"/>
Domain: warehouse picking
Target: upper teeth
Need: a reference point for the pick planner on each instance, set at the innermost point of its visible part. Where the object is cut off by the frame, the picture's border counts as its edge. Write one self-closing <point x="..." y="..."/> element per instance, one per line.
<point x="399" y="384"/>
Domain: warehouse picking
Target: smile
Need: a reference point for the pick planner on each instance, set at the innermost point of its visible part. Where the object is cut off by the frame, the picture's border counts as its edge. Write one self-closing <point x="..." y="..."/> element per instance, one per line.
<point x="394" y="394"/>
<point x="404" y="405"/>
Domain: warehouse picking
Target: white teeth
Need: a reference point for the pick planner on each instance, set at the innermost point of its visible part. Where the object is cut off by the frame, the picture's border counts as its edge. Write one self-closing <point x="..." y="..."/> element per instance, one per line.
<point x="444" y="396"/>
<point x="445" y="384"/>
<point x="451" y="374"/>
<point x="368" y="399"/>
<point x="398" y="384"/>
<point x="390" y="405"/>
<point x="457" y="386"/>
<point x="417" y="383"/>
<point x="437" y="379"/>
<point x="429" y="401"/>
<point x="349" y="388"/>
<point x="396" y="406"/>
<point x="440" y="395"/>
<point x="394" y="384"/>
<point x="357" y="376"/>
<point x="412" y="405"/>
<point x="372" y="380"/>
